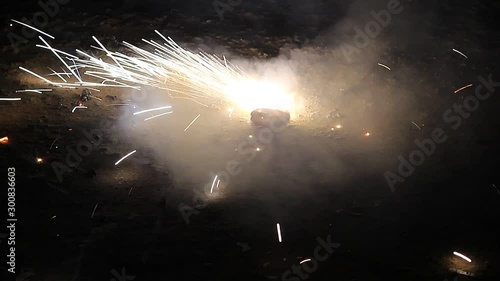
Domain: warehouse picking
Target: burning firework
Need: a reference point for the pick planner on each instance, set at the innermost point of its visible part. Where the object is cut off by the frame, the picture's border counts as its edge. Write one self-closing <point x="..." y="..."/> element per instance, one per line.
<point x="200" y="77"/>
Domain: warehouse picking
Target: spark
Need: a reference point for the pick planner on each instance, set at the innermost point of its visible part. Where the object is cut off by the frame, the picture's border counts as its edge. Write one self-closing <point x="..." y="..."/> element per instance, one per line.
<point x="213" y="183"/>
<point x="194" y="120"/>
<point x="118" y="162"/>
<point x="149" y="118"/>
<point x="338" y="126"/>
<point x="38" y="91"/>
<point x="464" y="87"/>
<point x="9" y="99"/>
<point x="39" y="160"/>
<point x="385" y="66"/>
<point x="53" y="217"/>
<point x="258" y="149"/>
<point x="367" y="134"/>
<point x="250" y="136"/>
<point x="279" y="232"/>
<point x="4" y="140"/>
<point x="218" y="182"/>
<point x="306" y="260"/>
<point x="416" y="125"/>
<point x="130" y="190"/>
<point x="152" y="109"/>
<point x="35" y="29"/>
<point x="78" y="107"/>
<point x="231" y="110"/>
<point x="457" y="51"/>
<point x="95" y="96"/>
<point x="496" y="189"/>
<point x="92" y="216"/>
<point x="462" y="256"/>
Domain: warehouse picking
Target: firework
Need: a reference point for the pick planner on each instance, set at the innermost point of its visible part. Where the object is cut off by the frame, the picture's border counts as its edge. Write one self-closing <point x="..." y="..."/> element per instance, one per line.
<point x="199" y="77"/>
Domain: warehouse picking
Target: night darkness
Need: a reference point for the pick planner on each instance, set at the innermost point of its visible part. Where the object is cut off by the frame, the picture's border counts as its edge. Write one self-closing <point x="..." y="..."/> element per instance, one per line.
<point x="250" y="140"/>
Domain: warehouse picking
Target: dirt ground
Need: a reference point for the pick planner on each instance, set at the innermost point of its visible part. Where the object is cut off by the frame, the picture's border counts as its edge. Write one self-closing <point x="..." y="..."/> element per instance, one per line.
<point x="103" y="221"/>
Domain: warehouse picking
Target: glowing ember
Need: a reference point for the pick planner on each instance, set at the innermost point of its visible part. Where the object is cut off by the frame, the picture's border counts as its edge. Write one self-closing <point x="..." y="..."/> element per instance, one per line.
<point x="367" y="134"/>
<point x="39" y="160"/>
<point x="306" y="260"/>
<point x="4" y="140"/>
<point x="338" y="126"/>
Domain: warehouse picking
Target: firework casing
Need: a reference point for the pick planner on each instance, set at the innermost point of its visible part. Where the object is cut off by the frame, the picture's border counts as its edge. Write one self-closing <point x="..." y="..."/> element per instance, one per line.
<point x="264" y="117"/>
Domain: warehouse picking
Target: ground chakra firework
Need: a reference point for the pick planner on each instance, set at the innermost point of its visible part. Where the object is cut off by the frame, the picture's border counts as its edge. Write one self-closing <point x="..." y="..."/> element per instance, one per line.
<point x="200" y="77"/>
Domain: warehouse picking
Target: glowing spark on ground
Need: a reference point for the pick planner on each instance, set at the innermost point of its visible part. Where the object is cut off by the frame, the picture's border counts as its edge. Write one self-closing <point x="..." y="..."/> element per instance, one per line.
<point x="338" y="126"/>
<point x="457" y="51"/>
<point x="194" y="120"/>
<point x="53" y="217"/>
<point x="218" y="182"/>
<point x="416" y="125"/>
<point x="158" y="115"/>
<point x="35" y="29"/>
<point x="496" y="189"/>
<point x="250" y="136"/>
<point x="39" y="160"/>
<point x="123" y="158"/>
<point x="464" y="87"/>
<point x="385" y="66"/>
<point x="78" y="107"/>
<point x="462" y="256"/>
<point x="213" y="184"/>
<point x="258" y="149"/>
<point x="93" y="212"/>
<point x="10" y="99"/>
<point x="306" y="260"/>
<point x="152" y="109"/>
<point x="279" y="232"/>
<point x="4" y="140"/>
<point x="367" y="134"/>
